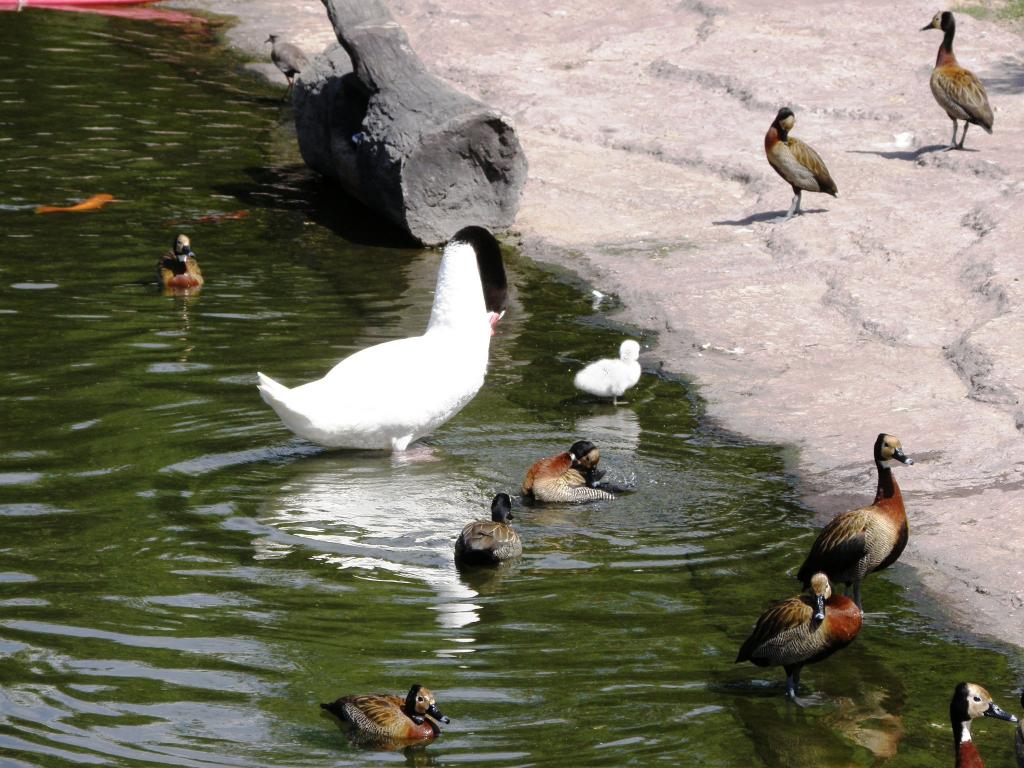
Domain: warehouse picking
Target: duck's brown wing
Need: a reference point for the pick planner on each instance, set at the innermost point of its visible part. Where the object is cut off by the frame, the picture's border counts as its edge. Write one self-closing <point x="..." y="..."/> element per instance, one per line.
<point x="805" y="155"/>
<point x="962" y="95"/>
<point x="377" y="715"/>
<point x="838" y="548"/>
<point x="783" y="617"/>
<point x="194" y="270"/>
<point x="491" y="537"/>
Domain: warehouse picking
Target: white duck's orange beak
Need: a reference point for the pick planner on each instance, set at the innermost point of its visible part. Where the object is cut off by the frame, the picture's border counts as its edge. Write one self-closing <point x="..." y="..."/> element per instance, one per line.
<point x="494" y="319"/>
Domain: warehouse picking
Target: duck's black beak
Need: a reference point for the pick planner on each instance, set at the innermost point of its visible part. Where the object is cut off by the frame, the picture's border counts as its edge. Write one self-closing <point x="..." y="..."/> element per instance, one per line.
<point x="436" y="714"/>
<point x="995" y="711"/>
<point x="899" y="455"/>
<point x="819" y="615"/>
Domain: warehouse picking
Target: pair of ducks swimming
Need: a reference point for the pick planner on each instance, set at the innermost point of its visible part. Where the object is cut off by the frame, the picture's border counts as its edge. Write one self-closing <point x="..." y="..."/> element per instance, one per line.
<point x="569" y="477"/>
<point x="811" y="627"/>
<point x="957" y="90"/>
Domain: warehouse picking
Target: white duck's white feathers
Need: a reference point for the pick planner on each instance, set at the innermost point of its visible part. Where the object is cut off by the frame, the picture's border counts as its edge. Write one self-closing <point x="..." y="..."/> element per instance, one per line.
<point x="388" y="395"/>
<point x="611" y="377"/>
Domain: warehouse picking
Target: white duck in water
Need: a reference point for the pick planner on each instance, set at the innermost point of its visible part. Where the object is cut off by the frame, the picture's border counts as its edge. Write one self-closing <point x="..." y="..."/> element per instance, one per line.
<point x="388" y="395"/>
<point x="610" y="377"/>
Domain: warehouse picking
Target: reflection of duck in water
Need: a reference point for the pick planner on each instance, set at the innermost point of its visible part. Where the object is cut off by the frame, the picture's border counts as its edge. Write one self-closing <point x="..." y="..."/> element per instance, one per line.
<point x="179" y="270"/>
<point x="802" y="630"/>
<point x="970" y="701"/>
<point x="390" y="720"/>
<point x="571" y="476"/>
<point x="388" y="395"/>
<point x="490" y="542"/>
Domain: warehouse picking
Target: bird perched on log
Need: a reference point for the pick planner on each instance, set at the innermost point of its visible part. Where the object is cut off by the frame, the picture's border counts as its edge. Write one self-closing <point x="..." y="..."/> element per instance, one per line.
<point x="288" y="58"/>
<point x="795" y="161"/>
<point x="958" y="90"/>
<point x="489" y="542"/>
<point x="802" y="630"/>
<point x="861" y="541"/>
<point x="970" y="701"/>
<point x="380" y="718"/>
<point x="179" y="268"/>
<point x="611" y="377"/>
<point x="571" y="476"/>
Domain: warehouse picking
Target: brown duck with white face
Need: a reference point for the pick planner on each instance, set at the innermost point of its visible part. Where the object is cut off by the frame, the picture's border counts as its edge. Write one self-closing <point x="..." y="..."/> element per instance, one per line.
<point x="567" y="477"/>
<point x="383" y="718"/>
<point x="179" y="268"/>
<point x="958" y="90"/>
<point x="861" y="541"/>
<point x="490" y="542"/>
<point x="969" y="702"/>
<point x="795" y="161"/>
<point x="802" y="630"/>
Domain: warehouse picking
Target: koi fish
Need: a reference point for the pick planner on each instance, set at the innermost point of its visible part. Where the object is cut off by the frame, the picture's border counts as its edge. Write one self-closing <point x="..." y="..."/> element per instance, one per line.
<point x="94" y="203"/>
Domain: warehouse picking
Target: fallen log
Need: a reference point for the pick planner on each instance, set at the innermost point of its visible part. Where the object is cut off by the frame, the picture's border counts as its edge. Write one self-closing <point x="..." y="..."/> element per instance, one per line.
<point x="406" y="144"/>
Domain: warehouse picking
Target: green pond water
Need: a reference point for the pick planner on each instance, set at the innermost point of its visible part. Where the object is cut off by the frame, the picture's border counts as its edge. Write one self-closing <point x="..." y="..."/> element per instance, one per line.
<point x="182" y="581"/>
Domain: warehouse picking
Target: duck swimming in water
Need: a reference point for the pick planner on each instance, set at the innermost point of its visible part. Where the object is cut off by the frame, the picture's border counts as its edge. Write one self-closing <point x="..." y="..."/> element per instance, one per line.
<point x="384" y="718"/>
<point x="795" y="161"/>
<point x="489" y="542"/>
<point x="384" y="397"/>
<point x="611" y="377"/>
<point x="571" y="476"/>
<point x="802" y="630"/>
<point x="970" y="701"/>
<point x="958" y="90"/>
<point x="862" y="541"/>
<point x="179" y="268"/>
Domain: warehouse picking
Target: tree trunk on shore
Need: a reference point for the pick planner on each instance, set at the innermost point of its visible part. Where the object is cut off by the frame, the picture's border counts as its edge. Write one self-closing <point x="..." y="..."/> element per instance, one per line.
<point x="403" y="142"/>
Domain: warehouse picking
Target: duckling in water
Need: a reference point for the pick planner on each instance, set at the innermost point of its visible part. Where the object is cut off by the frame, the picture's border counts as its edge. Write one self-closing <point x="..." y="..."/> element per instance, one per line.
<point x="490" y="542"/>
<point x="795" y="161"/>
<point x="861" y="541"/>
<point x="970" y="701"/>
<point x="957" y="90"/>
<point x="179" y="268"/>
<point x="571" y="476"/>
<point x="384" y="718"/>
<point x="802" y="630"/>
<point x="611" y="377"/>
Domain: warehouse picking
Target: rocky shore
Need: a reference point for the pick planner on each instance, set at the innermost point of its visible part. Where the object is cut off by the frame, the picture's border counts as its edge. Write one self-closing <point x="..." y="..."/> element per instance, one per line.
<point x="897" y="307"/>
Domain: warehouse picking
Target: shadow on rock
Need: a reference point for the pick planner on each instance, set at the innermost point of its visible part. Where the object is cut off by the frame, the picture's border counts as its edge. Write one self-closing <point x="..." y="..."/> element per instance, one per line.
<point x="766" y="216"/>
<point x="911" y="155"/>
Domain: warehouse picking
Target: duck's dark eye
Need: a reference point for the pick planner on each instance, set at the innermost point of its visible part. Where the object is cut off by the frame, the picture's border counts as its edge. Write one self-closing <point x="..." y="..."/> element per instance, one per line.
<point x="977" y="698"/>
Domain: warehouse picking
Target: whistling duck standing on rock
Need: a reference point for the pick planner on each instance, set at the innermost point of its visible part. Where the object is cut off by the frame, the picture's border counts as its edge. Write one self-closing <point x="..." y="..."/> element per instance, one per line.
<point x="958" y="90"/>
<point x="385" y="396"/>
<point x="568" y="477"/>
<point x="382" y="718"/>
<point x="802" y="630"/>
<point x="611" y="377"/>
<point x="856" y="543"/>
<point x="795" y="161"/>
<point x="179" y="268"/>
<point x="490" y="542"/>
<point x="970" y="701"/>
<point x="288" y="58"/>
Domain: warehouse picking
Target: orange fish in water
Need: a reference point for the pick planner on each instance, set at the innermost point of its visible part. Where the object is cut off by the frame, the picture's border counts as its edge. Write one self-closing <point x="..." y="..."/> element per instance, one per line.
<point x="94" y="203"/>
<point x="229" y="216"/>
